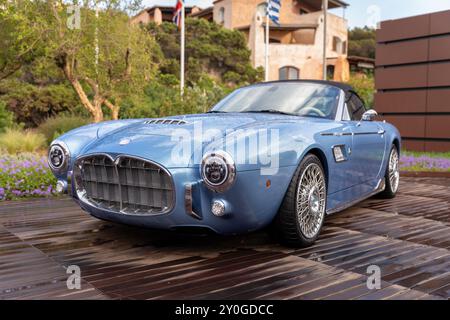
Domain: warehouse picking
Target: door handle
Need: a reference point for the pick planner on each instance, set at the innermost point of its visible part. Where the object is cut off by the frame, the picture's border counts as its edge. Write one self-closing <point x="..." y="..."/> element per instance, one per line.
<point x="381" y="132"/>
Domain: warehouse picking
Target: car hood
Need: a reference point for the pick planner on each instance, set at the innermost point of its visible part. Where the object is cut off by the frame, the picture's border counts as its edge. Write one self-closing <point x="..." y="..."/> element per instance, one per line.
<point x="180" y="141"/>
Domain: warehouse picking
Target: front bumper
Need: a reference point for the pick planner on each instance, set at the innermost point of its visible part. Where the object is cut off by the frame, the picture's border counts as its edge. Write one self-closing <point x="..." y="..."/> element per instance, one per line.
<point x="251" y="203"/>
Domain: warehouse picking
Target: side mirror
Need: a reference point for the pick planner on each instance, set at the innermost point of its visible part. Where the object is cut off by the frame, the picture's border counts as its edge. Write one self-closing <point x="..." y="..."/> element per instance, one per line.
<point x="369" y="115"/>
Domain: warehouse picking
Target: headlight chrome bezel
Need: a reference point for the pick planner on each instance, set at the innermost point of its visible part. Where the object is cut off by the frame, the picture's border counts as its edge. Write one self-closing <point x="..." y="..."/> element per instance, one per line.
<point x="221" y="158"/>
<point x="64" y="150"/>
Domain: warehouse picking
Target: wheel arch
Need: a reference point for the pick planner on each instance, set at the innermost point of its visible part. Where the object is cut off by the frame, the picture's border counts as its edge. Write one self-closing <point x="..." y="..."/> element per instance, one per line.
<point x="396" y="143"/>
<point x="322" y="158"/>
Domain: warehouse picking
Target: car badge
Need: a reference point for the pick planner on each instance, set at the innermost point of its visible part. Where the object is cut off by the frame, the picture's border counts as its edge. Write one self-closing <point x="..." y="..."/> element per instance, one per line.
<point x="124" y="142"/>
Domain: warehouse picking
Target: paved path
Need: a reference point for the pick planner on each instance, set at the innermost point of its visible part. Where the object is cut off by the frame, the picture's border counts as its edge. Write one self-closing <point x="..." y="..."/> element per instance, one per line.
<point x="408" y="238"/>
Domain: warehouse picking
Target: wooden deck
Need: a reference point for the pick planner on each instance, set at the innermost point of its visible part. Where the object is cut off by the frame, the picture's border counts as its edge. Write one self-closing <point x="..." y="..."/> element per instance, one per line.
<point x="408" y="238"/>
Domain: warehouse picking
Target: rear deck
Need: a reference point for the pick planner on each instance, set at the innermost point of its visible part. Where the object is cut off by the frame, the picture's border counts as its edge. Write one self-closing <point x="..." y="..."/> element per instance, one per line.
<point x="408" y="238"/>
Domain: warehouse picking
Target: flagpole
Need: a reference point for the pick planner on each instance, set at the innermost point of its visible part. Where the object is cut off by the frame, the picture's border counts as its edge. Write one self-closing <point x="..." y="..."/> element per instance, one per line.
<point x="183" y="45"/>
<point x="325" y="10"/>
<point x="267" y="42"/>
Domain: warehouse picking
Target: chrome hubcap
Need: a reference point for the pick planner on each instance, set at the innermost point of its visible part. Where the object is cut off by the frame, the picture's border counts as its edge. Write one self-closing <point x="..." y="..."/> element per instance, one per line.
<point x="314" y="202"/>
<point x="394" y="171"/>
<point x="311" y="199"/>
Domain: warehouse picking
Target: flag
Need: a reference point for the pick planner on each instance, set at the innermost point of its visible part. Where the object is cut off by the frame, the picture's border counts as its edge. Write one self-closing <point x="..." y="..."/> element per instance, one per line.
<point x="273" y="10"/>
<point x="177" y="16"/>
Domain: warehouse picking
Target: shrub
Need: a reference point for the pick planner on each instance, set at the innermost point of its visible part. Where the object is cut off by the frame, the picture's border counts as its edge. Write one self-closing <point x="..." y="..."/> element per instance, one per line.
<point x="6" y="117"/>
<point x="32" y="104"/>
<point x="162" y="98"/>
<point x="364" y="85"/>
<point x="52" y="128"/>
<point x="25" y="175"/>
<point x="17" y="141"/>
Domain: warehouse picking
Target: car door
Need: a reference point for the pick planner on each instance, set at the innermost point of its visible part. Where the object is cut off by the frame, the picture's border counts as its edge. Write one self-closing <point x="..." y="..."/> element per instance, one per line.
<point x="368" y="143"/>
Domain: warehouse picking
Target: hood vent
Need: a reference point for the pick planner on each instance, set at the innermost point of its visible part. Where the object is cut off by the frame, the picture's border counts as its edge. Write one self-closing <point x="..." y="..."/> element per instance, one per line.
<point x="173" y="122"/>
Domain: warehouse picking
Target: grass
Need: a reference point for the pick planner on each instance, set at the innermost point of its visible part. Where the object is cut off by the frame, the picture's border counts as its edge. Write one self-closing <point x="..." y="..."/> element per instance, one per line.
<point x="418" y="154"/>
<point x="52" y="128"/>
<point x="15" y="141"/>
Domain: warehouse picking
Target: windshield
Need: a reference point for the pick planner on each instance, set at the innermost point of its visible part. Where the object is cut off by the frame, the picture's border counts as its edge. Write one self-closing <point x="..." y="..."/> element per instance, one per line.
<point x="300" y="99"/>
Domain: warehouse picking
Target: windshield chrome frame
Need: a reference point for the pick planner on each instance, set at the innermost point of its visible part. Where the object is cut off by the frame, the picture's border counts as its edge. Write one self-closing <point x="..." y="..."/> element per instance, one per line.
<point x="341" y="107"/>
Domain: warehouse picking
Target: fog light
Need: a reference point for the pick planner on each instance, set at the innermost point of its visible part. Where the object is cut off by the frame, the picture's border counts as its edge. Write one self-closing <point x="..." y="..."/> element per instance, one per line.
<point x="61" y="186"/>
<point x="218" y="208"/>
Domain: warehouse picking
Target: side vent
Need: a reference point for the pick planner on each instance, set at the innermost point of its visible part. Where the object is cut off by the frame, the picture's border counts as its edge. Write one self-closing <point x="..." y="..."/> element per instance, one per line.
<point x="172" y="122"/>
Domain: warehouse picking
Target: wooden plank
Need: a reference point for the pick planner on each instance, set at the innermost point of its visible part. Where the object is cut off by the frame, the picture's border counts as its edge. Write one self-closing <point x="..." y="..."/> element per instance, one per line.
<point x="408" y="237"/>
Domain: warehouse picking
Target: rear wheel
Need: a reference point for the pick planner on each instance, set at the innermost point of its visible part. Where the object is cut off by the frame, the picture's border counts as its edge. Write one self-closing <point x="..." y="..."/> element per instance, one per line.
<point x="392" y="176"/>
<point x="302" y="212"/>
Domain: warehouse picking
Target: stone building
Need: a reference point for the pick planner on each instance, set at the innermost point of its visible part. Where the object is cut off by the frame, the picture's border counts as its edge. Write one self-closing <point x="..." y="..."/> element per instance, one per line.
<point x="296" y="45"/>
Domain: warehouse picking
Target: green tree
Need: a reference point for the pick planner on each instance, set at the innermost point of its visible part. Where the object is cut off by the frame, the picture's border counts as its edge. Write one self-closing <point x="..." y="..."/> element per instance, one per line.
<point x="107" y="58"/>
<point x="362" y="42"/>
<point x="22" y="33"/>
<point x="162" y="98"/>
<point x="32" y="104"/>
<point x="365" y="87"/>
<point x="210" y="49"/>
<point x="6" y="117"/>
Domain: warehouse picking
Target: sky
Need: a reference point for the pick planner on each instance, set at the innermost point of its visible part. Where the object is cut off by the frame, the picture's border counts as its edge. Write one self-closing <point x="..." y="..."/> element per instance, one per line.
<point x="360" y="12"/>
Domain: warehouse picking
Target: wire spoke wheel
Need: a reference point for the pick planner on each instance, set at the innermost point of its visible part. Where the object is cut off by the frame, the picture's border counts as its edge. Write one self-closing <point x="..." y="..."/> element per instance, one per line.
<point x="394" y="171"/>
<point x="311" y="200"/>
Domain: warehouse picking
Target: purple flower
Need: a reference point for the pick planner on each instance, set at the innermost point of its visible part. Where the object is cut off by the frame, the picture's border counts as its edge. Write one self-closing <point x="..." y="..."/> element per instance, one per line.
<point x="25" y="175"/>
<point x="424" y="162"/>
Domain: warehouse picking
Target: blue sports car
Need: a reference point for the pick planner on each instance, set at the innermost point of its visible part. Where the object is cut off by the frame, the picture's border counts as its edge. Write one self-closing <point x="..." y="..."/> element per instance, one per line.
<point x="277" y="153"/>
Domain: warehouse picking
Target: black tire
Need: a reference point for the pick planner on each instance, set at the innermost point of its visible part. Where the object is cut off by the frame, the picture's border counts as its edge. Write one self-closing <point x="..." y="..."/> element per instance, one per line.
<point x="391" y="187"/>
<point x="287" y="222"/>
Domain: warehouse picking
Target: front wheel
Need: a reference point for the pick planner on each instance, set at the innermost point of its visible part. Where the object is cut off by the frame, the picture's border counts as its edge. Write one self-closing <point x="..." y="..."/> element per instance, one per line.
<point x="302" y="212"/>
<point x="392" y="176"/>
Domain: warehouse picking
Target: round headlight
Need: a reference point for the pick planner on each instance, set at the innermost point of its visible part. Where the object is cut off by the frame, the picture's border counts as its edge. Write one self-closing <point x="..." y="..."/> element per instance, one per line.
<point x="218" y="171"/>
<point x="58" y="156"/>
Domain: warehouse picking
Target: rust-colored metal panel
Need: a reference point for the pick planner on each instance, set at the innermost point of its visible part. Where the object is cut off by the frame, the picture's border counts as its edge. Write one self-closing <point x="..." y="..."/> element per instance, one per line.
<point x="401" y="101"/>
<point x="436" y="146"/>
<point x="413" y="79"/>
<point x="440" y="22"/>
<point x="438" y="126"/>
<point x="409" y="125"/>
<point x="414" y="76"/>
<point x="440" y="48"/>
<point x="439" y="74"/>
<point x="413" y="145"/>
<point x="407" y="28"/>
<point x="438" y="100"/>
<point x="402" y="52"/>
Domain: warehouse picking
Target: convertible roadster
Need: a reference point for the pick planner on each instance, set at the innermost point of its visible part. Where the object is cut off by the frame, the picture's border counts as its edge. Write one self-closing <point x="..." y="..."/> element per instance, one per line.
<point x="284" y="154"/>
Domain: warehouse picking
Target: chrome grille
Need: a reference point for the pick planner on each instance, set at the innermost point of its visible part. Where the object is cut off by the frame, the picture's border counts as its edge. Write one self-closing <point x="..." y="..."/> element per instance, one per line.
<point x="127" y="185"/>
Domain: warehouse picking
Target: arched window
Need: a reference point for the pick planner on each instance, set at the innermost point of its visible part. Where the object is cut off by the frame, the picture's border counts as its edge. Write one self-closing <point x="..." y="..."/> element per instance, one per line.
<point x="221" y="15"/>
<point x="289" y="73"/>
